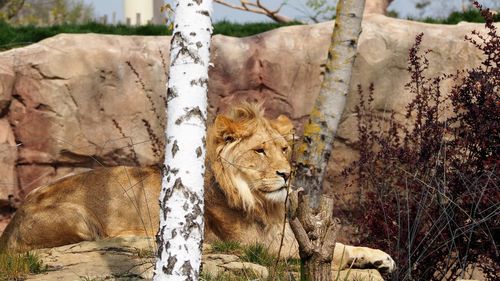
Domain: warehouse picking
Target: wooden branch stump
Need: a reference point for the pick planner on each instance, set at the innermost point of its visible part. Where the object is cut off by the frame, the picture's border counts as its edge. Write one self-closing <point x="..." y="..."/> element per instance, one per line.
<point x="316" y="232"/>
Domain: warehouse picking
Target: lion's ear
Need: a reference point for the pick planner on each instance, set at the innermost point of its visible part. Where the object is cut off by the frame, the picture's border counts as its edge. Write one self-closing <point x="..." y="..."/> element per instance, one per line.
<point x="284" y="126"/>
<point x="226" y="129"/>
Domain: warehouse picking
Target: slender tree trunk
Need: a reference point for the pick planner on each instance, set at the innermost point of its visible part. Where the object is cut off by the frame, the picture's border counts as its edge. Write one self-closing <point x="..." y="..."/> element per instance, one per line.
<point x="313" y="223"/>
<point x="319" y="132"/>
<point x="316" y="232"/>
<point x="180" y="235"/>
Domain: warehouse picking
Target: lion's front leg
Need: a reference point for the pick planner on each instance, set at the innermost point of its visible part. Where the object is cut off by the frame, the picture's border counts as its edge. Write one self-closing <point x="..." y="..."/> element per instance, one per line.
<point x="345" y="256"/>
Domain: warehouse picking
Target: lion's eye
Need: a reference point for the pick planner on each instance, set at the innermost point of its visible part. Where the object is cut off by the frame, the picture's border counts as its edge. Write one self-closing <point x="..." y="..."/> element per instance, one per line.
<point x="284" y="149"/>
<point x="260" y="151"/>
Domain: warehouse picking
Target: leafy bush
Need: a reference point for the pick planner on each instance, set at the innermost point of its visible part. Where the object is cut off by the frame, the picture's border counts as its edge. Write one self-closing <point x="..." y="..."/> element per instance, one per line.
<point x="456" y="17"/>
<point x="16" y="36"/>
<point x="434" y="194"/>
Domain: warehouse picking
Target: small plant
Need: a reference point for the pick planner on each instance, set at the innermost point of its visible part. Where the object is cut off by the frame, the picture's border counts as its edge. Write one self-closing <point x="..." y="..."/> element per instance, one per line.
<point x="226" y="247"/>
<point x="258" y="253"/>
<point x="228" y="276"/>
<point x="14" y="266"/>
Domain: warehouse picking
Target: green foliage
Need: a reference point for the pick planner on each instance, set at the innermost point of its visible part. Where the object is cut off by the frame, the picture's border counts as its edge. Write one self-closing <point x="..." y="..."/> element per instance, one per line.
<point x="321" y="10"/>
<point x="18" y="36"/>
<point x="13" y="266"/>
<point x="257" y="253"/>
<point x="246" y="29"/>
<point x="227" y="276"/>
<point x="456" y="17"/>
<point x="226" y="247"/>
<point x="10" y="8"/>
<point x="26" y="12"/>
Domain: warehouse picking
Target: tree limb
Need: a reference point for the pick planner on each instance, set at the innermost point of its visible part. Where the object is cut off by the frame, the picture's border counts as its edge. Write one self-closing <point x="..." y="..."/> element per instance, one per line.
<point x="306" y="248"/>
<point x="258" y="8"/>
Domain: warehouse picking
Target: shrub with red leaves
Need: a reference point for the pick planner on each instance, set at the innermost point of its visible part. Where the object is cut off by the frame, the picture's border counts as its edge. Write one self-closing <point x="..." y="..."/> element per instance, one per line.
<point x="434" y="199"/>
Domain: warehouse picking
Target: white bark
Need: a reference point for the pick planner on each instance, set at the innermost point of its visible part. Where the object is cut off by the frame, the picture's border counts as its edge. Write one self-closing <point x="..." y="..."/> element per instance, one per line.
<point x="180" y="235"/>
<point x="313" y="153"/>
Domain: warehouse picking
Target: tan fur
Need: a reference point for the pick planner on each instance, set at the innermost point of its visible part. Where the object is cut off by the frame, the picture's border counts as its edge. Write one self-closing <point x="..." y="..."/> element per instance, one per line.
<point x="246" y="179"/>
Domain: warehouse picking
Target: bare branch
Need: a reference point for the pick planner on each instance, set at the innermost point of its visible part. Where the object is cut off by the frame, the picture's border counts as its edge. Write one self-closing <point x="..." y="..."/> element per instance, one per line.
<point x="302" y="237"/>
<point x="258" y="8"/>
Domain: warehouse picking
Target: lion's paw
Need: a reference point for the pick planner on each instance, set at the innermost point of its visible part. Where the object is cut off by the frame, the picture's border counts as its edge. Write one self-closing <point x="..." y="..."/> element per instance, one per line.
<point x="373" y="258"/>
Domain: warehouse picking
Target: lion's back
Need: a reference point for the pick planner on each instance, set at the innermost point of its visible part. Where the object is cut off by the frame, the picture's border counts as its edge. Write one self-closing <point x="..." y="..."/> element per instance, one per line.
<point x="104" y="202"/>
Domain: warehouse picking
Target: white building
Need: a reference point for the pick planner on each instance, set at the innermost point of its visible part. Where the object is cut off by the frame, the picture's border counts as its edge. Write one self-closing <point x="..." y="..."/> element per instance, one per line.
<point x="141" y="12"/>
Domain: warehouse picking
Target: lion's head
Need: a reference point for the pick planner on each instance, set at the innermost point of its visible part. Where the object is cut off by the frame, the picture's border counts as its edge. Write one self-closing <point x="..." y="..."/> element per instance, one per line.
<point x="249" y="156"/>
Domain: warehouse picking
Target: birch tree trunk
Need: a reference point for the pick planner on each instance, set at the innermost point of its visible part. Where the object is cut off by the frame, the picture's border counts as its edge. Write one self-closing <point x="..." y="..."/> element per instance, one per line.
<point x="319" y="132"/>
<point x="180" y="236"/>
<point x="314" y="228"/>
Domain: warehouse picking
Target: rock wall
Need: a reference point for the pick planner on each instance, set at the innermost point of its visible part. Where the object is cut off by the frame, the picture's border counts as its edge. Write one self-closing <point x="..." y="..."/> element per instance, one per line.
<point x="72" y="102"/>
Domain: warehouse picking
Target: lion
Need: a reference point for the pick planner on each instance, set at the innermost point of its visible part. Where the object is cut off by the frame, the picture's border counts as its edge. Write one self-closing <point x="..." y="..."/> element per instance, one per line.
<point x="246" y="179"/>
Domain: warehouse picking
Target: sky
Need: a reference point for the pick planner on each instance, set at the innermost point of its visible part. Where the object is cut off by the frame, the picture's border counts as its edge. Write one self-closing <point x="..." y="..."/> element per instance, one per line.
<point x="405" y="8"/>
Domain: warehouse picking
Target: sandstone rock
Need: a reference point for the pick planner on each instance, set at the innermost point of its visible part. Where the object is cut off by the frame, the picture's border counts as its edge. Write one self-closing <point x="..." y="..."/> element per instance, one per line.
<point x="217" y="264"/>
<point x="132" y="258"/>
<point x="107" y="107"/>
<point x="129" y="258"/>
<point x="241" y="267"/>
<point x="358" y="274"/>
<point x="113" y="259"/>
<point x="8" y="158"/>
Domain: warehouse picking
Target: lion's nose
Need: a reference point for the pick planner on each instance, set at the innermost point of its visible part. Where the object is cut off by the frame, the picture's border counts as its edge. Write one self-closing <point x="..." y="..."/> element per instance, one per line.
<point x="284" y="175"/>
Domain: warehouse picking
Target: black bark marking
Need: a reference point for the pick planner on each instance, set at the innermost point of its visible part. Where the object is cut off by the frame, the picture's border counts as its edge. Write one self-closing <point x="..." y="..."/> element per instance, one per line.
<point x="175" y="171"/>
<point x="179" y="40"/>
<point x="195" y="112"/>
<point x="198" y="152"/>
<point x="185" y="206"/>
<point x="191" y="222"/>
<point x="204" y="12"/>
<point x="178" y="184"/>
<point x="199" y="44"/>
<point x="187" y="270"/>
<point x="171" y="261"/>
<point x="198" y="2"/>
<point x="171" y="93"/>
<point x="166" y="209"/>
<point x="159" y="241"/>
<point x="175" y="147"/>
<point x="192" y="33"/>
<point x="200" y="82"/>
